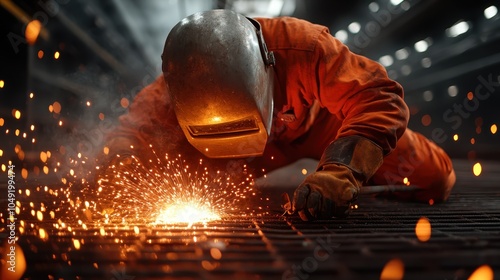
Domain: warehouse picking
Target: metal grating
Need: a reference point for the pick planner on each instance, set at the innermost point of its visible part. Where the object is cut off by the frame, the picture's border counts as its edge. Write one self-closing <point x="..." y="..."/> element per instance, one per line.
<point x="465" y="235"/>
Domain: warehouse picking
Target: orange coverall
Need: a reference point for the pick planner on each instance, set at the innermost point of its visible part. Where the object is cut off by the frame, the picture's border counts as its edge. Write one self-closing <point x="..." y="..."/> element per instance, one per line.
<point x="322" y="92"/>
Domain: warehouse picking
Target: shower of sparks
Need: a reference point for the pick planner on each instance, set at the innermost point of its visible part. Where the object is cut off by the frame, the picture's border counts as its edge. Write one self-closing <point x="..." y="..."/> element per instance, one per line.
<point x="166" y="191"/>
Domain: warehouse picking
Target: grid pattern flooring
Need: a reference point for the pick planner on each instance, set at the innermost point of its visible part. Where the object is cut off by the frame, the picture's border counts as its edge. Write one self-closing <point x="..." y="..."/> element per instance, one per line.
<point x="465" y="235"/>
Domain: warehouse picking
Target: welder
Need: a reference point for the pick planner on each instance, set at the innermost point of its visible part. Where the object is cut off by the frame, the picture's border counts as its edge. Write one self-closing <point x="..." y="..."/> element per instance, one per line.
<point x="268" y="92"/>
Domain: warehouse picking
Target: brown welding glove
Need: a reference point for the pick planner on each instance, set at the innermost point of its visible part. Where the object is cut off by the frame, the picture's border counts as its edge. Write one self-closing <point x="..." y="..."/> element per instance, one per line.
<point x="345" y="165"/>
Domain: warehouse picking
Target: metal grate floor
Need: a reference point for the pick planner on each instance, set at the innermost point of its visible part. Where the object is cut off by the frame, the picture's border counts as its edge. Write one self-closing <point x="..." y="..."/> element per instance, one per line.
<point x="465" y="235"/>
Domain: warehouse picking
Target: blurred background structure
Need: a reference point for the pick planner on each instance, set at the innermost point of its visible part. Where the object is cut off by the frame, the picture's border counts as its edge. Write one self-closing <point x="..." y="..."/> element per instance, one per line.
<point x="70" y="67"/>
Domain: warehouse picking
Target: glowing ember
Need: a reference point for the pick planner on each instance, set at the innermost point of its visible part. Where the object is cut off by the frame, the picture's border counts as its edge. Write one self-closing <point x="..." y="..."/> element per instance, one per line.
<point x="406" y="181"/>
<point x="476" y="169"/>
<point x="189" y="212"/>
<point x="32" y="31"/>
<point x="76" y="244"/>
<point x="56" y="106"/>
<point x="483" y="272"/>
<point x="423" y="229"/>
<point x="393" y="269"/>
<point x="16" y="113"/>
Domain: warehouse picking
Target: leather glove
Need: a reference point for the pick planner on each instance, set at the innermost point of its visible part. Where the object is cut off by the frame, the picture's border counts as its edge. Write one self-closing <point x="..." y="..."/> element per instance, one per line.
<point x="345" y="165"/>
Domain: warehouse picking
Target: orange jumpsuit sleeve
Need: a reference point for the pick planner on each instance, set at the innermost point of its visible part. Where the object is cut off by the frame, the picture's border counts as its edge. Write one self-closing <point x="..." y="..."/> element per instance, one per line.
<point x="359" y="92"/>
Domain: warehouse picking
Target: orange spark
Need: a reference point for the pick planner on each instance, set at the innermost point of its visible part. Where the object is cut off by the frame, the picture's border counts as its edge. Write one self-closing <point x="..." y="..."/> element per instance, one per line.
<point x="477" y="169"/>
<point x="493" y="128"/>
<point x="393" y="270"/>
<point x="32" y="31"/>
<point x="483" y="272"/>
<point x="423" y="229"/>
<point x="16" y="113"/>
<point x="56" y="107"/>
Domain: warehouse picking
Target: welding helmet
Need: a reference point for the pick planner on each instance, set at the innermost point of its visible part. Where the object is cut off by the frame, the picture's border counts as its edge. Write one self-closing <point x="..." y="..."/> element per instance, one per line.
<point x="219" y="74"/>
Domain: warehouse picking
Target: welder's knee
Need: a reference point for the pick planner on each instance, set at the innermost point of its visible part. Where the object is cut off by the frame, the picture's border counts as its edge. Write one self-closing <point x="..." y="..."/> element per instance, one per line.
<point x="420" y="162"/>
<point x="437" y="189"/>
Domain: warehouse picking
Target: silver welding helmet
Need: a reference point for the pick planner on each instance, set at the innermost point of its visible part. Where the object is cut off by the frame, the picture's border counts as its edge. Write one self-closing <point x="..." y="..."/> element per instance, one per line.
<point x="219" y="74"/>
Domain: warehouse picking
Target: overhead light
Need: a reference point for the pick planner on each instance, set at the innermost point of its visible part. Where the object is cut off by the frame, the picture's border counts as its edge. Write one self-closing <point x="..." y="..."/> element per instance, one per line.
<point x="393" y="74"/>
<point x="426" y="62"/>
<point x="490" y="12"/>
<point x="402" y="54"/>
<point x="396" y="2"/>
<point x="386" y="60"/>
<point x="261" y="8"/>
<point x="275" y="7"/>
<point x="421" y="46"/>
<point x="373" y="7"/>
<point x="406" y="70"/>
<point x="354" y="27"/>
<point x="457" y="29"/>
<point x="428" y="95"/>
<point x="452" y="91"/>
<point x="342" y="35"/>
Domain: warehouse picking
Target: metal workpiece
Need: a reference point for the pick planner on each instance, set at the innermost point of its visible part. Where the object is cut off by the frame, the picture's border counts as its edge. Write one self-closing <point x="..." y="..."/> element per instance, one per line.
<point x="419" y="241"/>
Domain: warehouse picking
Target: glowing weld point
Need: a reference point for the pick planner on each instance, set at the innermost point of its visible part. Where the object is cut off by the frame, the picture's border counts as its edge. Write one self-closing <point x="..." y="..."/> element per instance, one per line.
<point x="189" y="212"/>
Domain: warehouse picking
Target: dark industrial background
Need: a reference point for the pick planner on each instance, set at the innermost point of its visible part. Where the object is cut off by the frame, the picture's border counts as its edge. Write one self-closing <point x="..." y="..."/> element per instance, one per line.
<point x="64" y="91"/>
<point x="440" y="51"/>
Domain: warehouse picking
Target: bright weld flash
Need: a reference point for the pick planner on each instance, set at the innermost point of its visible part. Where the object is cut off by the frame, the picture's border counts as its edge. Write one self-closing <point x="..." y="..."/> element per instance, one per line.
<point x="187" y="212"/>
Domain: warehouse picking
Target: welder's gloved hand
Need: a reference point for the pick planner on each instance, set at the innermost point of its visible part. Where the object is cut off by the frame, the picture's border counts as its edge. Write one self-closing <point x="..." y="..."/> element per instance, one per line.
<point x="345" y="165"/>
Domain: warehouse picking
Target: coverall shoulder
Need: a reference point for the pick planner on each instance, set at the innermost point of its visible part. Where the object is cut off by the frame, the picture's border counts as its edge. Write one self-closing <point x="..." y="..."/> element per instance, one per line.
<point x="325" y="92"/>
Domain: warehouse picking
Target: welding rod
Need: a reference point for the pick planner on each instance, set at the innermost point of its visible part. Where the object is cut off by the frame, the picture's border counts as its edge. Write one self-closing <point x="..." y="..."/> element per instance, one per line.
<point x="387" y="188"/>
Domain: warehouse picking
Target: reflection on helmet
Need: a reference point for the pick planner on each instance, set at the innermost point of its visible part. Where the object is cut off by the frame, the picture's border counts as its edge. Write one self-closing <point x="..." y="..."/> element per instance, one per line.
<point x="218" y="72"/>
